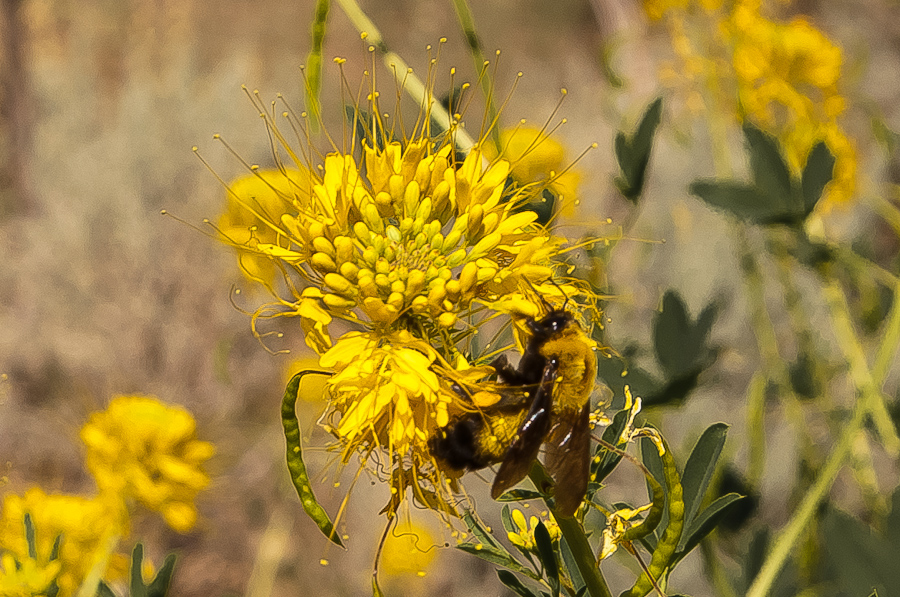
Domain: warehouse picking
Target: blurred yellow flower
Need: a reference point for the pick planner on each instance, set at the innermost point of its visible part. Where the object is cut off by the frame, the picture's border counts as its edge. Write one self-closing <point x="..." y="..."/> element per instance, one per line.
<point x="787" y="77"/>
<point x="538" y="160"/>
<point x="617" y="524"/>
<point x="408" y="550"/>
<point x="251" y="202"/>
<point x="27" y="577"/>
<point x="142" y="449"/>
<point x="89" y="529"/>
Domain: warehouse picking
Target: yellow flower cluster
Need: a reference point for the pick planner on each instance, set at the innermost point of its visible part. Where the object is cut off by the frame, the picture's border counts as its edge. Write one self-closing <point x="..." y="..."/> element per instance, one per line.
<point x="784" y="77"/>
<point x="524" y="538"/>
<point x="420" y="237"/>
<point x="265" y="191"/>
<point x="85" y="524"/>
<point x="540" y="161"/>
<point x="140" y="448"/>
<point x="788" y="76"/>
<point x="414" y="248"/>
<point x="25" y="578"/>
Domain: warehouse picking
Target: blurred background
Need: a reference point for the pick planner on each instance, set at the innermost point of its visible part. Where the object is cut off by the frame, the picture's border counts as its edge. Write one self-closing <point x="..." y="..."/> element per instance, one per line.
<point x="101" y="102"/>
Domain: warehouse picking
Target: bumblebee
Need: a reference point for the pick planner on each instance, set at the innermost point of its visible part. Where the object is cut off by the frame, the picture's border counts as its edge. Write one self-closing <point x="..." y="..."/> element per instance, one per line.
<point x="546" y="400"/>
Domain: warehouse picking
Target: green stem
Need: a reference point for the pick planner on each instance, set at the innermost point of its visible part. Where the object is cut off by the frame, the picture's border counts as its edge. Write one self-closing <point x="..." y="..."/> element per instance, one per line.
<point x="467" y="22"/>
<point x="573" y="532"/>
<point x="866" y="385"/>
<point x="870" y="402"/>
<point x="784" y="542"/>
<point x="413" y="85"/>
<point x="891" y="341"/>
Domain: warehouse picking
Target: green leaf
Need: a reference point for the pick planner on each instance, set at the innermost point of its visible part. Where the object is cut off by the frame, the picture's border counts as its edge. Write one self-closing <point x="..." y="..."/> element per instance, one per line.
<point x="548" y="556"/>
<point x="515" y="585"/>
<point x="518" y="495"/>
<point x="136" y="584"/>
<point x="672" y="329"/>
<point x="501" y="557"/>
<point x="633" y="154"/>
<point x="892" y="527"/>
<point x="296" y="466"/>
<point x="479" y="531"/>
<point x="29" y="536"/>
<point x="571" y="566"/>
<point x="770" y="172"/>
<point x="608" y="460"/>
<point x="103" y="590"/>
<point x="651" y="459"/>
<point x="159" y="586"/>
<point x="506" y="518"/>
<point x="861" y="560"/>
<point x="704" y="524"/>
<point x="699" y="469"/>
<point x="817" y="173"/>
<point x="617" y="372"/>
<point x="741" y="200"/>
<point x="756" y="556"/>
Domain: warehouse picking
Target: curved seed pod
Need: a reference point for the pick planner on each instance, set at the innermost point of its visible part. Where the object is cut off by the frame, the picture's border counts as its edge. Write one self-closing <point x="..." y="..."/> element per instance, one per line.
<point x="654" y="515"/>
<point x="297" y="468"/>
<point x="665" y="548"/>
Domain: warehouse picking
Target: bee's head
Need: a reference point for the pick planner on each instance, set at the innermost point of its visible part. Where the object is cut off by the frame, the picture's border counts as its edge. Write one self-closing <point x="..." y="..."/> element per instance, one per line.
<point x="553" y="322"/>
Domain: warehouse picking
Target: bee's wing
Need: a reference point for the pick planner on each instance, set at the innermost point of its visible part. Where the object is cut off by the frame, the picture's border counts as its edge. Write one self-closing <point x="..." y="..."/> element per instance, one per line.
<point x="568" y="458"/>
<point x="524" y="449"/>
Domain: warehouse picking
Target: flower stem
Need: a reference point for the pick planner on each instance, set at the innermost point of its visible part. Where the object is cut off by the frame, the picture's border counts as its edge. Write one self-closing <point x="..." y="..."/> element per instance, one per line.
<point x="413" y="85"/>
<point x="870" y="402"/>
<point x="573" y="531"/>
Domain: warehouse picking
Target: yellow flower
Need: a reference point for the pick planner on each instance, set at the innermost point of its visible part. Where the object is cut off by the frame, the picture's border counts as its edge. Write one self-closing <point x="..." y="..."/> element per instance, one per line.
<point x="787" y="76"/>
<point x="251" y="202"/>
<point x="27" y="577"/>
<point x="408" y="550"/>
<point x="540" y="161"/>
<point x="415" y="247"/>
<point x="387" y="393"/>
<point x="89" y="528"/>
<point x="617" y="523"/>
<point x="524" y="538"/>
<point x="142" y="449"/>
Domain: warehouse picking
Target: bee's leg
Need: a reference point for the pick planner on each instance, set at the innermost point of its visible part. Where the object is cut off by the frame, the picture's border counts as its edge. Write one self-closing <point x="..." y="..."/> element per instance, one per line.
<point x="506" y="372"/>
